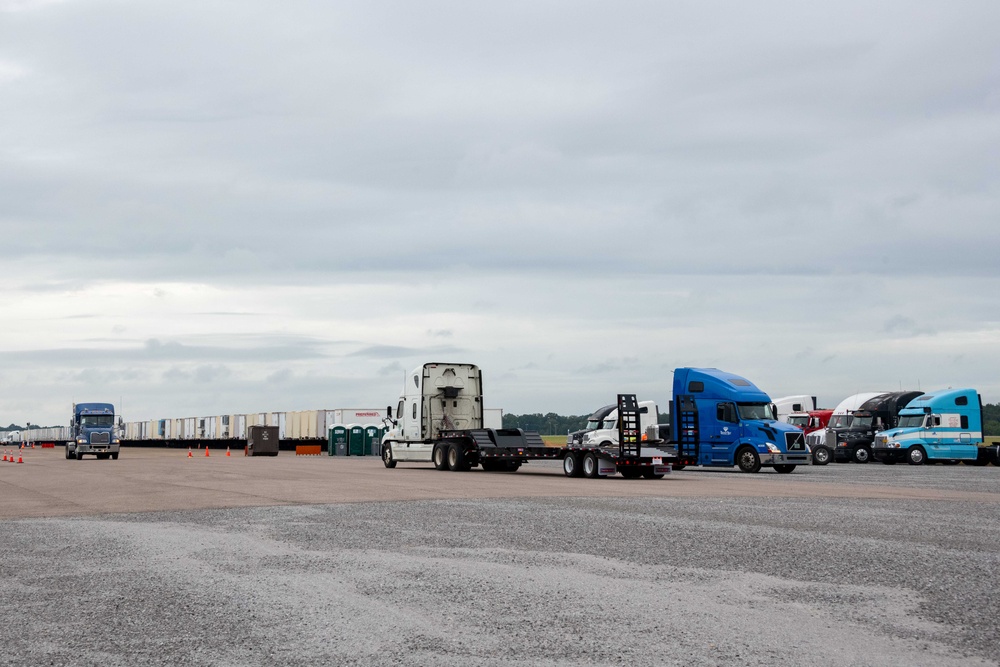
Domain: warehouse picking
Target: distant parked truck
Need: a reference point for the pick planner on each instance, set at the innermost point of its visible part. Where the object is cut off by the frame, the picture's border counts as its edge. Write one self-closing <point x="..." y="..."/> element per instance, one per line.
<point x="92" y="431"/>
<point x="812" y="422"/>
<point x="607" y="434"/>
<point x="721" y="419"/>
<point x="943" y="426"/>
<point x="594" y="422"/>
<point x="826" y="440"/>
<point x="854" y="441"/>
<point x="786" y="405"/>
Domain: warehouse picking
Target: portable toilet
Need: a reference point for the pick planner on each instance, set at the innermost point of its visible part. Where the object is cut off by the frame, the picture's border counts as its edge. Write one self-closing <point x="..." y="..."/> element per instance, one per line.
<point x="373" y="438"/>
<point x="336" y="442"/>
<point x="355" y="440"/>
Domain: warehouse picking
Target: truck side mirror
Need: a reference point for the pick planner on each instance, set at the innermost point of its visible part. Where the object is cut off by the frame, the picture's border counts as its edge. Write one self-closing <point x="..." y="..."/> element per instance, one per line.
<point x="388" y="412"/>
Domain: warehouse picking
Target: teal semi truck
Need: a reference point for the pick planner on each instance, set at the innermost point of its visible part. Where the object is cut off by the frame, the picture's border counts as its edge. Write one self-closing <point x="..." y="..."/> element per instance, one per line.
<point x="941" y="426"/>
<point x="720" y="419"/>
<point x="92" y="431"/>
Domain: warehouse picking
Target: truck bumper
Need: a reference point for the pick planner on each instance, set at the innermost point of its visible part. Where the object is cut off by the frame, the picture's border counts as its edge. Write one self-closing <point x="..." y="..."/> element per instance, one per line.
<point x="795" y="459"/>
<point x="888" y="454"/>
<point x="95" y="449"/>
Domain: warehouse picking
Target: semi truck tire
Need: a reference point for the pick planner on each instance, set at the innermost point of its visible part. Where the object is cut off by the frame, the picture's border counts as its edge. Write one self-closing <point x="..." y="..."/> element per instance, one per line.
<point x="572" y="466"/>
<point x="114" y="456"/>
<point x="821" y="456"/>
<point x="862" y="455"/>
<point x="69" y="453"/>
<point x="79" y="455"/>
<point x="915" y="456"/>
<point x="784" y="468"/>
<point x="747" y="460"/>
<point x="387" y="459"/>
<point x="456" y="458"/>
<point x="440" y="457"/>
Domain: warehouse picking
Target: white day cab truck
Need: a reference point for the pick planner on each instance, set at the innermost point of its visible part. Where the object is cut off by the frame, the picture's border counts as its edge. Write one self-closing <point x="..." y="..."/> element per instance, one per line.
<point x="439" y="420"/>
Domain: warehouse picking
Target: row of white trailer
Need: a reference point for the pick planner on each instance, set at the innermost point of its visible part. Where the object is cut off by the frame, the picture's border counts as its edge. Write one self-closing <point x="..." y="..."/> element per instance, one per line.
<point x="295" y="425"/>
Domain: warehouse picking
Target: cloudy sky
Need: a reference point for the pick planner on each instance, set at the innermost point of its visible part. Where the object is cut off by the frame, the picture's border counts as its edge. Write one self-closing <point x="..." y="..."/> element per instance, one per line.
<point x="220" y="207"/>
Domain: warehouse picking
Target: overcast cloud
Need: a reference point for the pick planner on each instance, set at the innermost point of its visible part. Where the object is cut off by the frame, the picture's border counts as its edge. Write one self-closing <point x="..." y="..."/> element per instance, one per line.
<point x="219" y="207"/>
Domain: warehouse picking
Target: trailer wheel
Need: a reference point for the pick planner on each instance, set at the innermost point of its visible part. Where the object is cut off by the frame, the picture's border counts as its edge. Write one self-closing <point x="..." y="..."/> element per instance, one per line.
<point x="387" y="459"/>
<point x="747" y="460"/>
<point x="915" y="456"/>
<point x="821" y="456"/>
<point x="784" y="468"/>
<point x="440" y="457"/>
<point x="862" y="454"/>
<point x="512" y="466"/>
<point x="456" y="458"/>
<point x="572" y="465"/>
<point x="591" y="465"/>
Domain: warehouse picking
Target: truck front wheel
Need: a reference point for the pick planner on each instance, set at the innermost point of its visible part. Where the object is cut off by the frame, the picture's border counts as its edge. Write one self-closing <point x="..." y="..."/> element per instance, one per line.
<point x="571" y="465"/>
<point x="915" y="456"/>
<point x="79" y="455"/>
<point x="747" y="460"/>
<point x="69" y="453"/>
<point x="821" y="456"/>
<point x="862" y="455"/>
<point x="114" y="456"/>
<point x="387" y="459"/>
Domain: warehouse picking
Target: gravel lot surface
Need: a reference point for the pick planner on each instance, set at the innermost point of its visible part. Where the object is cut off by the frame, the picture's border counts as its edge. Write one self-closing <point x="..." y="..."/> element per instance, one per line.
<point x="753" y="579"/>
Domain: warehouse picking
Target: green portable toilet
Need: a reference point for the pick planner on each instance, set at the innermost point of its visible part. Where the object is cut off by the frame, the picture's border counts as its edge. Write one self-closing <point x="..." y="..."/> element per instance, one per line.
<point x="336" y="444"/>
<point x="373" y="438"/>
<point x="355" y="440"/>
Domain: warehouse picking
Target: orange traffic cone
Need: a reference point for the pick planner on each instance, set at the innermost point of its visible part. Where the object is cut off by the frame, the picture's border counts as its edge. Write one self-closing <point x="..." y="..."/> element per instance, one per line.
<point x="206" y="450"/>
<point x="190" y="455"/>
<point x="5" y="455"/>
<point x="19" y="459"/>
<point x="227" y="451"/>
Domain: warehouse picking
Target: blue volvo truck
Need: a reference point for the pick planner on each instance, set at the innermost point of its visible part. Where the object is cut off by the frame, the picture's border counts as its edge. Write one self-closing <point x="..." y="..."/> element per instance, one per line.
<point x="942" y="426"/>
<point x="92" y="431"/>
<point x="721" y="419"/>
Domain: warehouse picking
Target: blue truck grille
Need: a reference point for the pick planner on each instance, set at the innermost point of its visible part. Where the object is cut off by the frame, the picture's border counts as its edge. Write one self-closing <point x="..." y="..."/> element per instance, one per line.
<point x="795" y="442"/>
<point x="100" y="438"/>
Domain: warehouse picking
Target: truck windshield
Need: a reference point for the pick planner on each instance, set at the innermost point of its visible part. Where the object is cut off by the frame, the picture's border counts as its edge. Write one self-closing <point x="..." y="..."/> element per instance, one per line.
<point x="610" y="424"/>
<point x="861" y="421"/>
<point x="839" y="421"/>
<point x="593" y="424"/>
<point x="755" y="411"/>
<point x="97" y="421"/>
<point x="799" y="420"/>
<point x="910" y="421"/>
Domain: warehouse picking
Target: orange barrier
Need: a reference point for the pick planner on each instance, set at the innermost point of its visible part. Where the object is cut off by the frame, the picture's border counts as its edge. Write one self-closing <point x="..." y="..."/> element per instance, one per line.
<point x="308" y="450"/>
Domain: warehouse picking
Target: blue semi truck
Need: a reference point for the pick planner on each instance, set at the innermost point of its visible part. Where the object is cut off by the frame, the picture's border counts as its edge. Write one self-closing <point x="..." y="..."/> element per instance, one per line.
<point x="721" y="419"/>
<point x="92" y="431"/>
<point x="942" y="426"/>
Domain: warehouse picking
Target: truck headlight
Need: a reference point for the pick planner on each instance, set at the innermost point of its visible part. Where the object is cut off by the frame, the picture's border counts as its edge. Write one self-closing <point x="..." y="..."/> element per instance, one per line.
<point x="773" y="448"/>
<point x="81" y="441"/>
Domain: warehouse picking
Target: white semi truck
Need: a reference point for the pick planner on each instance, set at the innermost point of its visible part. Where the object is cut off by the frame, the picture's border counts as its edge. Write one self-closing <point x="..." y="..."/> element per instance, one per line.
<point x="439" y="420"/>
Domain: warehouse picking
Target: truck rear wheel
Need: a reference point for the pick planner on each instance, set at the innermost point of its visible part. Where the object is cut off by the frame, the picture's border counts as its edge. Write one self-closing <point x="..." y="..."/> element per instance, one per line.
<point x="572" y="465"/>
<point x="747" y="460"/>
<point x="591" y="465"/>
<point x="440" y="457"/>
<point x="862" y="455"/>
<point x="456" y="458"/>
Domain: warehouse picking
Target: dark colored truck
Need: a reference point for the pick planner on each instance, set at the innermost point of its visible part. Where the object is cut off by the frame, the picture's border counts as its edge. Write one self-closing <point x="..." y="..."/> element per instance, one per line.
<point x="854" y="441"/>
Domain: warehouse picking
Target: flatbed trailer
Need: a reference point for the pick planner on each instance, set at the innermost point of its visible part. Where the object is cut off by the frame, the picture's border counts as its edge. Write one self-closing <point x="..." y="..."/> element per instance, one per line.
<point x="505" y="450"/>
